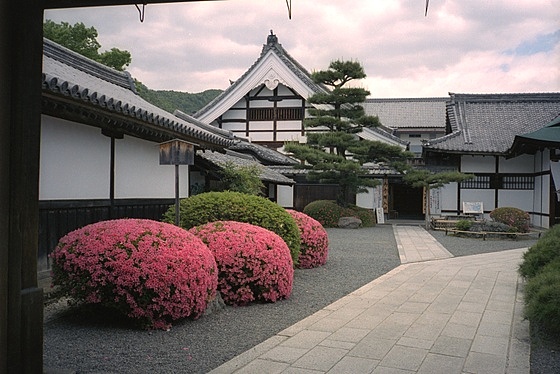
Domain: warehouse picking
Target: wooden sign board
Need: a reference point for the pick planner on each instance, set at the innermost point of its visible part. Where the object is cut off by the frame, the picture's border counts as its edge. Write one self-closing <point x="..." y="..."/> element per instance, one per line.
<point x="380" y="215"/>
<point x="471" y="207"/>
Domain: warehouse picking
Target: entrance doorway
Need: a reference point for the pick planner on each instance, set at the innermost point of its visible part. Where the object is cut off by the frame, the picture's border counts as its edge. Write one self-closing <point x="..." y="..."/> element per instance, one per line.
<point x="405" y="200"/>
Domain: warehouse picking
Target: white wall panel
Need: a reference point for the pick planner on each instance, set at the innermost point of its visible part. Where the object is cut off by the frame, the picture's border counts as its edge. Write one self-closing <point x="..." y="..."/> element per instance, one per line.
<point x="520" y="164"/>
<point x="261" y="125"/>
<point x="522" y="199"/>
<point x="74" y="161"/>
<point x="285" y="196"/>
<point x="138" y="173"/>
<point x="366" y="199"/>
<point x="289" y="136"/>
<point x="477" y="164"/>
<point x="486" y="196"/>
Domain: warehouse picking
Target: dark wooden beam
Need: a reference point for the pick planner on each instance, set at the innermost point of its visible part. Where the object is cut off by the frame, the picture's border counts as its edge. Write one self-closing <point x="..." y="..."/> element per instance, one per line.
<point x="21" y="318"/>
<point x="59" y="4"/>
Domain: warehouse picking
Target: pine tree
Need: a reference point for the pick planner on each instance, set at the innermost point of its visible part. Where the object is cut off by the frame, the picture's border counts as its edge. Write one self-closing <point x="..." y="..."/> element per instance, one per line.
<point x="334" y="153"/>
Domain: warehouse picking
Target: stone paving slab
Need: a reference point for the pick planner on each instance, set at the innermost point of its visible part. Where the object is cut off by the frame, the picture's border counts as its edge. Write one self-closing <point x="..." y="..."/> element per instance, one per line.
<point x="448" y="315"/>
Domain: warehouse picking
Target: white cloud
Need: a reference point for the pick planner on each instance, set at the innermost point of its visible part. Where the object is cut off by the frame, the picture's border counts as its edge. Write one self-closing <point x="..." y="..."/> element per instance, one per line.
<point x="461" y="46"/>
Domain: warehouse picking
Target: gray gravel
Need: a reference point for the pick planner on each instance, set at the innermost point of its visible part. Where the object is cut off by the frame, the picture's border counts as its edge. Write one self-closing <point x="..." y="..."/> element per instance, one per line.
<point x="84" y="342"/>
<point x="89" y="341"/>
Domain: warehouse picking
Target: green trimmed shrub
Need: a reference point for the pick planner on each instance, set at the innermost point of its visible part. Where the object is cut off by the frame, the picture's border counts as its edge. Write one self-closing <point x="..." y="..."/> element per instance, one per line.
<point x="513" y="217"/>
<point x="542" y="298"/>
<point x="543" y="252"/>
<point x="328" y="212"/>
<point x="490" y="226"/>
<point x="464" y="225"/>
<point x="235" y="206"/>
<point x="366" y="215"/>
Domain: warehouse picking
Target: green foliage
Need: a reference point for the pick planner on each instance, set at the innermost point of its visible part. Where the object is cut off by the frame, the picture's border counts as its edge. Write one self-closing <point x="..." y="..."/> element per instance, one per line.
<point x="489" y="226"/>
<point x="83" y="40"/>
<point x="428" y="179"/>
<point x="464" y="225"/>
<point x="365" y="215"/>
<point x="244" y="179"/>
<point x="546" y="250"/>
<point x="542" y="298"/>
<point x="513" y="217"/>
<point x="328" y="212"/>
<point x="169" y="100"/>
<point x="336" y="155"/>
<point x="235" y="206"/>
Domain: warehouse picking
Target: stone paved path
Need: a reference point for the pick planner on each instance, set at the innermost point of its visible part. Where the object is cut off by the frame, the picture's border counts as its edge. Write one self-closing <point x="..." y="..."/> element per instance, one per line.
<point x="432" y="314"/>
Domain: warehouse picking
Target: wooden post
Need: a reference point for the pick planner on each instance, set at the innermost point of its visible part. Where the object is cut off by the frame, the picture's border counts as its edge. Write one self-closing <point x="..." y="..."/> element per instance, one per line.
<point x="21" y="301"/>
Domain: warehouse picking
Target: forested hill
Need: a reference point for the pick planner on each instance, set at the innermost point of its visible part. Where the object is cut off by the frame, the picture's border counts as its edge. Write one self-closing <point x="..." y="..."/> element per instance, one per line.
<point x="186" y="102"/>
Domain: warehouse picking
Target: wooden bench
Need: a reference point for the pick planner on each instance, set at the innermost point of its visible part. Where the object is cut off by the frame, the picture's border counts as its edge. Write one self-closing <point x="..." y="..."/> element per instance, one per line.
<point x="484" y="234"/>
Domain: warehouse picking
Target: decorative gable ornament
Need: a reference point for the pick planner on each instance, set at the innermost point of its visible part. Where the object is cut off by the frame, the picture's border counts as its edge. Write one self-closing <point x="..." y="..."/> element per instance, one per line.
<point x="272" y="79"/>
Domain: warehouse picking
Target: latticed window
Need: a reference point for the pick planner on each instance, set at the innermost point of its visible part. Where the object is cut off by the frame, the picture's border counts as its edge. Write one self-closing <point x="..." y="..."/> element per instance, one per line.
<point x="518" y="182"/>
<point x="275" y="114"/>
<point x="478" y="182"/>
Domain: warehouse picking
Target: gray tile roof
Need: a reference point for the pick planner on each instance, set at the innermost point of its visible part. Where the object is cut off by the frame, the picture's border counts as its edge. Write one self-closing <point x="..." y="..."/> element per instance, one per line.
<point x="371" y="169"/>
<point x="70" y="76"/>
<point x="267" y="174"/>
<point x="488" y="123"/>
<point x="271" y="45"/>
<point x="264" y="154"/>
<point x="370" y="134"/>
<point x="408" y="112"/>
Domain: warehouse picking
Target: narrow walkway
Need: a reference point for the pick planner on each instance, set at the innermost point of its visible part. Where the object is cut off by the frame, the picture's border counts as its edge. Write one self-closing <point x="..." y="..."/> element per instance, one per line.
<point x="443" y="315"/>
<point x="417" y="245"/>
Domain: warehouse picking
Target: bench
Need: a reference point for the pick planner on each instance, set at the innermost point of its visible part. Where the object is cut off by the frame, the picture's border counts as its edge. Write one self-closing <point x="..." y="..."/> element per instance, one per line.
<point x="484" y="234"/>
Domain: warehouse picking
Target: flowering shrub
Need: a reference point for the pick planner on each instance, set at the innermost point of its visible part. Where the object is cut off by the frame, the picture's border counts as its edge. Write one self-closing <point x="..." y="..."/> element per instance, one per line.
<point x="513" y="217"/>
<point x="328" y="212"/>
<point x="254" y="264"/>
<point x="235" y="206"/>
<point x="314" y="241"/>
<point x="150" y="271"/>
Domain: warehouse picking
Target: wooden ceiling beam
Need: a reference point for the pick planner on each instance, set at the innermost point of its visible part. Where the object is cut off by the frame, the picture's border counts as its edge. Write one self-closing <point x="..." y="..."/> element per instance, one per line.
<point x="61" y="4"/>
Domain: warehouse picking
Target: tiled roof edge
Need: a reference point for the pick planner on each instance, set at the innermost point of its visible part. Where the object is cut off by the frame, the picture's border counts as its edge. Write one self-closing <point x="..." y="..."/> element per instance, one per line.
<point x="79" y="62"/>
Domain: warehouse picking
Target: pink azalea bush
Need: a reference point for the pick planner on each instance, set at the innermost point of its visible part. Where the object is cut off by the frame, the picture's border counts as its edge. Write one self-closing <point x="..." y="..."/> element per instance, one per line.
<point x="151" y="271"/>
<point x="254" y="264"/>
<point x="516" y="218"/>
<point x="314" y="240"/>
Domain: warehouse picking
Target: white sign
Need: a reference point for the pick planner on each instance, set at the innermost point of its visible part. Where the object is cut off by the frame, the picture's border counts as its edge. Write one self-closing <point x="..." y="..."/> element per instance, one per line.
<point x="380" y="215"/>
<point x="473" y="207"/>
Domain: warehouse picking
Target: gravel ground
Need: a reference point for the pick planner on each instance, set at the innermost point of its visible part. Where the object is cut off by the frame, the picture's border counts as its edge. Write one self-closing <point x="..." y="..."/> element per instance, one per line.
<point x="89" y="341"/>
<point x="86" y="342"/>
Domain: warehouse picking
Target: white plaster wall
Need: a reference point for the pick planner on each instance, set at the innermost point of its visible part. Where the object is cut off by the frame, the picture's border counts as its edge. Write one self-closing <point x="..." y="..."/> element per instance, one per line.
<point x="285" y="196"/>
<point x="366" y="199"/>
<point x="448" y="197"/>
<point x="520" y="164"/>
<point x="138" y="173"/>
<point x="74" y="161"/>
<point x="477" y="164"/>
<point x="522" y="199"/>
<point x="486" y="196"/>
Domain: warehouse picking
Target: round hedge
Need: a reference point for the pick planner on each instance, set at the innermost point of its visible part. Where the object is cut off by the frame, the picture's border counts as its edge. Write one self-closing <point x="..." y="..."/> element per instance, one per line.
<point x="235" y="206"/>
<point x="150" y="271"/>
<point x="513" y="217"/>
<point x="546" y="250"/>
<point x="542" y="298"/>
<point x="314" y="241"/>
<point x="254" y="264"/>
<point x="328" y="212"/>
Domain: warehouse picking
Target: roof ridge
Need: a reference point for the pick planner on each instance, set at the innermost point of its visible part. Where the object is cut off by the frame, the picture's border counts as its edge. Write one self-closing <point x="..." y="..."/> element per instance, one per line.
<point x="273" y="46"/>
<point x="504" y="97"/>
<point x="77" y="61"/>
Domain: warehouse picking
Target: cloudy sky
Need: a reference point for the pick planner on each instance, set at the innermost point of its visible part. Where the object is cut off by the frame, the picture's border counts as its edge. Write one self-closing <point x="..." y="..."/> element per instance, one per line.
<point x="474" y="46"/>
